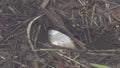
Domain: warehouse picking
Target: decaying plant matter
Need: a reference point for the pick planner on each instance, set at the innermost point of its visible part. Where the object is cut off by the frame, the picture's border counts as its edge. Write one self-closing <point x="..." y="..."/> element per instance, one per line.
<point x="93" y="26"/>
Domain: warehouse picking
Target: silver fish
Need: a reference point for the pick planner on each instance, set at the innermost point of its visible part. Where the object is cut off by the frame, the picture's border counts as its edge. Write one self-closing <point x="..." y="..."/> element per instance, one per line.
<point x="59" y="39"/>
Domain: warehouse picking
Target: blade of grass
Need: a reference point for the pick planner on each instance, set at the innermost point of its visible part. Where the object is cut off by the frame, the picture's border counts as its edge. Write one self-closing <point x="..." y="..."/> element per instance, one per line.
<point x="35" y="62"/>
<point x="49" y="49"/>
<point x="99" y="65"/>
<point x="29" y="30"/>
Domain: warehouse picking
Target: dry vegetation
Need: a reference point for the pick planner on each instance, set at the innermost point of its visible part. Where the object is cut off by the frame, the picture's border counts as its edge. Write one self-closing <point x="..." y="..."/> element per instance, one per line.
<point x="93" y="25"/>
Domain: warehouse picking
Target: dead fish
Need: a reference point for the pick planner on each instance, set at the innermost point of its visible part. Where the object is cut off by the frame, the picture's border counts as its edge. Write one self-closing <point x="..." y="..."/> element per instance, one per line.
<point x="60" y="39"/>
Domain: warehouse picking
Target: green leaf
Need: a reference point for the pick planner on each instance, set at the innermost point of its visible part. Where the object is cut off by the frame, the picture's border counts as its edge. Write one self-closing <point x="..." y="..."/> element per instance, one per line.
<point x="99" y="65"/>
